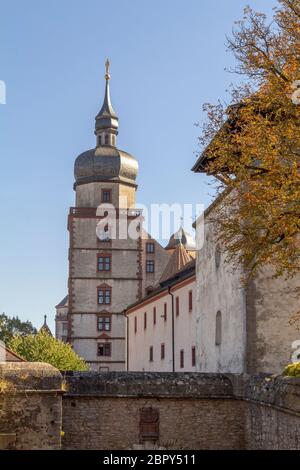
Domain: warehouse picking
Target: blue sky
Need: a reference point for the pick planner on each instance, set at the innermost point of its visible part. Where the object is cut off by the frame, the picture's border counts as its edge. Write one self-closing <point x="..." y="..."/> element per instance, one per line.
<point x="167" y="59"/>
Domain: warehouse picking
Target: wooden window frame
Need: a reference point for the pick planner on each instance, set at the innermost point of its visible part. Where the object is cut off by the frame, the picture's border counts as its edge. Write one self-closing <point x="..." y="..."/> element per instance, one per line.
<point x="106" y="346"/>
<point x="151" y="354"/>
<point x="104" y="315"/>
<point x="181" y="358"/>
<point x="135" y="324"/>
<point x="106" y="190"/>
<point x="104" y="255"/>
<point x="177" y="306"/>
<point x="165" y="311"/>
<point x="105" y="288"/>
<point x="150" y="262"/>
<point x="193" y="356"/>
<point x="162" y="351"/>
<point x="190" y="300"/>
<point x="148" y="244"/>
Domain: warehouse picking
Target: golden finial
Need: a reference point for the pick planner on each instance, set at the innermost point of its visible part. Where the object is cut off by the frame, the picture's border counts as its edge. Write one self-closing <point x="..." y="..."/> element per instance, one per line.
<point x="107" y="75"/>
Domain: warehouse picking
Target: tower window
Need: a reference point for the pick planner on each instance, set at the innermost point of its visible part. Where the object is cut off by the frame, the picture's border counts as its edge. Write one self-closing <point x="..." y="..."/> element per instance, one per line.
<point x="104" y="349"/>
<point x="218" y="328"/>
<point x="106" y="195"/>
<point x="99" y="140"/>
<point x="181" y="359"/>
<point x="154" y="315"/>
<point x="104" y="295"/>
<point x="150" y="266"/>
<point x="104" y="323"/>
<point x="106" y="139"/>
<point x="165" y="311"/>
<point x="104" y="262"/>
<point x="150" y="247"/>
<point x="151" y="354"/>
<point x="145" y="320"/>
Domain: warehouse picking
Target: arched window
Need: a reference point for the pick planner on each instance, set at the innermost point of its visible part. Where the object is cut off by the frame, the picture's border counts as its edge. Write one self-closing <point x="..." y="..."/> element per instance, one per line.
<point x="217" y="256"/>
<point x="99" y="140"/>
<point x="106" y="139"/>
<point x="218" y="328"/>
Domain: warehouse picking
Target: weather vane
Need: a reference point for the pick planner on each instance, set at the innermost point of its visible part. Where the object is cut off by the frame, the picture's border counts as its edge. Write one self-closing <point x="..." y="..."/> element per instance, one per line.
<point x="107" y="75"/>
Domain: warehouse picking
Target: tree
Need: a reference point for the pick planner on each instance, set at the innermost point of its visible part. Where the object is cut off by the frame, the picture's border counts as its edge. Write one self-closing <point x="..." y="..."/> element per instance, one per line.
<point x="42" y="347"/>
<point x="253" y="145"/>
<point x="14" y="326"/>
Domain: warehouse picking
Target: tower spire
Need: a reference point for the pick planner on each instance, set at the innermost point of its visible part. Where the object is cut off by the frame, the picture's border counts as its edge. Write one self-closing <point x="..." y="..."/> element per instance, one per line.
<point x="107" y="124"/>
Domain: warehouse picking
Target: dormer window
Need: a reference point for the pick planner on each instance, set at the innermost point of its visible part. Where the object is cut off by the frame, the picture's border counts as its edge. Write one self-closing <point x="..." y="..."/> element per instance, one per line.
<point x="106" y="139"/>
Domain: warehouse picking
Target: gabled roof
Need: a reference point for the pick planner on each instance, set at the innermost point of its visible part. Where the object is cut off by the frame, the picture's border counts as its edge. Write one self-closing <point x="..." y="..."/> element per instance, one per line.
<point x="9" y="356"/>
<point x="178" y="260"/>
<point x="63" y="302"/>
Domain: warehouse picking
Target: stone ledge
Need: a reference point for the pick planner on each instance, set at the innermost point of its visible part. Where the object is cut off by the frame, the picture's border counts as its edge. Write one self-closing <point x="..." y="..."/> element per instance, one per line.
<point x="23" y="376"/>
<point x="146" y="384"/>
<point x="277" y="391"/>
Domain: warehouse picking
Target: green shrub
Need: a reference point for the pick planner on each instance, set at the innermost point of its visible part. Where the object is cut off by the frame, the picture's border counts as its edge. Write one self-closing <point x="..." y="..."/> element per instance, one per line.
<point x="42" y="347"/>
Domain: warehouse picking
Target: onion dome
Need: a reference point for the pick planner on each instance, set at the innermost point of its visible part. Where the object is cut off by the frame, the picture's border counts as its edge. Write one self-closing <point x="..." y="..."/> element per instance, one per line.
<point x="181" y="237"/>
<point x="106" y="162"/>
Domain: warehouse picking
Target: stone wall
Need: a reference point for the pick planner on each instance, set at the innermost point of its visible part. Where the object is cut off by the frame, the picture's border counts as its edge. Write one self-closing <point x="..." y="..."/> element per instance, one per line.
<point x="30" y="406"/>
<point x="195" y="411"/>
<point x="103" y="411"/>
<point x="119" y="410"/>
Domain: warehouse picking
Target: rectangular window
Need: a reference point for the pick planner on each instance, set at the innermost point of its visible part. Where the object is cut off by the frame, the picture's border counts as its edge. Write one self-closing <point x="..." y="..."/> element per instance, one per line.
<point x="165" y="311"/>
<point x="190" y="301"/>
<point x="154" y="315"/>
<point x="104" y="349"/>
<point x="181" y="359"/>
<point x="104" y="323"/>
<point x="162" y="351"/>
<point x="135" y="324"/>
<point x="149" y="247"/>
<point x="177" y="306"/>
<point x="104" y="296"/>
<point x="193" y="356"/>
<point x="151" y="354"/>
<point x="145" y="320"/>
<point x="104" y="262"/>
<point x="106" y="195"/>
<point x="150" y="266"/>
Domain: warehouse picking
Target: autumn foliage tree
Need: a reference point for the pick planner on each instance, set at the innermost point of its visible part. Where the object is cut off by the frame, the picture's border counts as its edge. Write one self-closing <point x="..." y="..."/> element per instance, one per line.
<point x="253" y="144"/>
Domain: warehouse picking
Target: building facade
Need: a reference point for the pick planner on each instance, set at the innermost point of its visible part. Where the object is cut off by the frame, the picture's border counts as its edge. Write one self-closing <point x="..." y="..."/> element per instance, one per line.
<point x="240" y="328"/>
<point x="161" y="328"/>
<point x="107" y="269"/>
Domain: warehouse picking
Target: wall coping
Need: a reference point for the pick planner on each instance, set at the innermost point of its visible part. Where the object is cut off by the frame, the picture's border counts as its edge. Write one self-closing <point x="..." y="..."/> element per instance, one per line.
<point x="30" y="377"/>
<point x="148" y="384"/>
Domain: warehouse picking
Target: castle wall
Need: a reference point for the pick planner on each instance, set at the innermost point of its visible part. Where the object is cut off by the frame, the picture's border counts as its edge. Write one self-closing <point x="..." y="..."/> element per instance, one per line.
<point x="181" y="411"/>
<point x="219" y="290"/>
<point x="30" y="406"/>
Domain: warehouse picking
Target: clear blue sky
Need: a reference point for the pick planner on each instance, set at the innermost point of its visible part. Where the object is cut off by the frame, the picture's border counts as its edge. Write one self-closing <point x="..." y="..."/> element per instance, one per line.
<point x="167" y="59"/>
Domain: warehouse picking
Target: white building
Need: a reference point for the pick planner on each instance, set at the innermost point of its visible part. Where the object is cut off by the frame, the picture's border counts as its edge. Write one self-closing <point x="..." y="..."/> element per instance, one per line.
<point x="161" y="328"/>
<point x="240" y="329"/>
